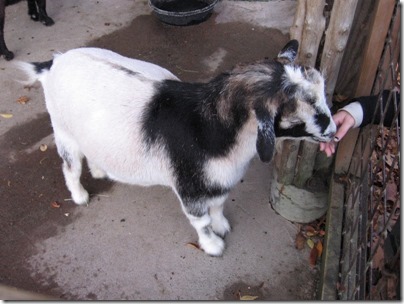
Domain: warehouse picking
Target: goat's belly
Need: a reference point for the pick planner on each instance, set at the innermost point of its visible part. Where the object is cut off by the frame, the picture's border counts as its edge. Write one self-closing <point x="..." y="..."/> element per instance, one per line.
<point x="140" y="173"/>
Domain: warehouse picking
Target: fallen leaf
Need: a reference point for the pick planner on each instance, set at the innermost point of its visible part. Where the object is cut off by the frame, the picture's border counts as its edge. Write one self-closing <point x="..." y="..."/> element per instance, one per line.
<point x="300" y="241"/>
<point x="309" y="233"/>
<point x="321" y="232"/>
<point x="391" y="191"/>
<point x="248" y="298"/>
<point x="309" y="229"/>
<point x="319" y="247"/>
<point x="43" y="147"/>
<point x="55" y="204"/>
<point x="193" y="245"/>
<point x="6" y="115"/>
<point x="313" y="256"/>
<point x="23" y="99"/>
<point x="310" y="243"/>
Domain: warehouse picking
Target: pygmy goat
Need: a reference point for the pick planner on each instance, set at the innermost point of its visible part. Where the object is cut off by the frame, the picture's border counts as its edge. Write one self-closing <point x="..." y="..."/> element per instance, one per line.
<point x="136" y="123"/>
<point x="37" y="11"/>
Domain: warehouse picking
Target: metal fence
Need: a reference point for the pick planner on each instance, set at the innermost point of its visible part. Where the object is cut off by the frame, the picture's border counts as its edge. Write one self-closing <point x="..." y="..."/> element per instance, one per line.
<point x="369" y="266"/>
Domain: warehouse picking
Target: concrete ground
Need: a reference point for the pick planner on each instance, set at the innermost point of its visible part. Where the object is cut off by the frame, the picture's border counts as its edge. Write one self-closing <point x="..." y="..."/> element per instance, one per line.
<point x="132" y="242"/>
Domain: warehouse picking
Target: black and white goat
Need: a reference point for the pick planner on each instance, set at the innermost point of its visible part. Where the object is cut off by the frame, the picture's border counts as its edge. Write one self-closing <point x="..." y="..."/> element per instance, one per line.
<point x="136" y="123"/>
<point x="37" y="11"/>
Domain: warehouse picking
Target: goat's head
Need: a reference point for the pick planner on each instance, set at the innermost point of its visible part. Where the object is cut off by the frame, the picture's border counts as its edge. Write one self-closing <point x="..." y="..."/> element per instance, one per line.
<point x="298" y="109"/>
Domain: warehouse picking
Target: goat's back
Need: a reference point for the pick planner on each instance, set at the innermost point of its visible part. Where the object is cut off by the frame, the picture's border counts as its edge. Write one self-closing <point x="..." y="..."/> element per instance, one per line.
<point x="96" y="99"/>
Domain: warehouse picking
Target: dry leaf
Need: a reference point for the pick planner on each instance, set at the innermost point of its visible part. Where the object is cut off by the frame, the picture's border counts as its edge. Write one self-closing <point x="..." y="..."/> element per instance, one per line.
<point x="300" y="241"/>
<point x="248" y="298"/>
<point x="43" y="147"/>
<point x="321" y="232"/>
<point x="310" y="234"/>
<point x="310" y="243"/>
<point x="309" y="229"/>
<point x="319" y="247"/>
<point x="193" y="245"/>
<point x="313" y="256"/>
<point x="23" y="99"/>
<point x="391" y="191"/>
<point x="6" y="115"/>
<point x="55" y="204"/>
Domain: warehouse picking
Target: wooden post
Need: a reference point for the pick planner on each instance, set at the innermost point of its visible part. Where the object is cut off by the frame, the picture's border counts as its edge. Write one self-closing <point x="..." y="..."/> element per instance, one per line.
<point x="336" y="40"/>
<point x="373" y="52"/>
<point x="314" y="25"/>
<point x="308" y="27"/>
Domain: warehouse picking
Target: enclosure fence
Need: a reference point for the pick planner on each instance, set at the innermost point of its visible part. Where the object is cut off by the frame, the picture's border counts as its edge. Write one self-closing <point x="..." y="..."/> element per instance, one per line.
<point x="369" y="264"/>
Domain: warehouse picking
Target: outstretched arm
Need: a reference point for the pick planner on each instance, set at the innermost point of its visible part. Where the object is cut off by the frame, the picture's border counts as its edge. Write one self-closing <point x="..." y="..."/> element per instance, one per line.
<point x="360" y="113"/>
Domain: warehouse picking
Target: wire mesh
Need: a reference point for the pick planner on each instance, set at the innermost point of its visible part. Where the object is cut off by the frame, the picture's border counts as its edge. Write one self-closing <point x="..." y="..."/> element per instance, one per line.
<point x="370" y="252"/>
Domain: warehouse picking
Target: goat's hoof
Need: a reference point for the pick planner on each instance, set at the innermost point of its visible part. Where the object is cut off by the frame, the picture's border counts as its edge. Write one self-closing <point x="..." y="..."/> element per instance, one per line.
<point x="47" y="21"/>
<point x="7" y="55"/>
<point x="214" y="246"/>
<point x="81" y="198"/>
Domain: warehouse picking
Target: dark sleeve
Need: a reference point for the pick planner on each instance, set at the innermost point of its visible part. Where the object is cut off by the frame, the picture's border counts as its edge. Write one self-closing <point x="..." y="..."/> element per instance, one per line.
<point x="369" y="106"/>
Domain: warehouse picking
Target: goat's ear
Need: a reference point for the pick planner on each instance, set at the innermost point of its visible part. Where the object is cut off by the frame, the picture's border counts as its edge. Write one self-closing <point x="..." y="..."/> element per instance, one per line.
<point x="288" y="54"/>
<point x="266" y="135"/>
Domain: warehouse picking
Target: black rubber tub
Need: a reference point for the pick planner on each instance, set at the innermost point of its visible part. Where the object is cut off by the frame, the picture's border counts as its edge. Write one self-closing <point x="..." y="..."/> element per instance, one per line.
<point x="182" y="12"/>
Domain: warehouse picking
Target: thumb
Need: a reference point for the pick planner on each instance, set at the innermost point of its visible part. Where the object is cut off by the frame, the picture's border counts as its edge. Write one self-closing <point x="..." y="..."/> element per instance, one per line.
<point x="346" y="124"/>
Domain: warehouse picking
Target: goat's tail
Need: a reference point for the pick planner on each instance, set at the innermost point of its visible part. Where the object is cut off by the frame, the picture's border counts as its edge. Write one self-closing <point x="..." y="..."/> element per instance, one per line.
<point x="34" y="70"/>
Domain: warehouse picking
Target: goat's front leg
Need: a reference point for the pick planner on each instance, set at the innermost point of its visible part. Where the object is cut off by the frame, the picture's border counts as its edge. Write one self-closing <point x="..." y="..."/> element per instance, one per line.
<point x="220" y="224"/>
<point x="198" y="214"/>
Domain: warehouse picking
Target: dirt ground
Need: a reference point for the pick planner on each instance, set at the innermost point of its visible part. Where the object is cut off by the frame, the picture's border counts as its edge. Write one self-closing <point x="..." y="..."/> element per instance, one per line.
<point x="122" y="250"/>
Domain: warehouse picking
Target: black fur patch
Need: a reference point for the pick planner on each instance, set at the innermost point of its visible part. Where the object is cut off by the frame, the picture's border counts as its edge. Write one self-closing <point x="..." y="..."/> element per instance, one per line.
<point x="40" y="66"/>
<point x="295" y="131"/>
<point x="65" y="155"/>
<point x="322" y="120"/>
<point x="183" y="118"/>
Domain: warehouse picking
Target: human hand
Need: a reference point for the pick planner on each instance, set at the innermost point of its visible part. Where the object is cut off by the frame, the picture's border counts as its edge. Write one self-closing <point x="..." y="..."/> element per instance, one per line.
<point x="344" y="122"/>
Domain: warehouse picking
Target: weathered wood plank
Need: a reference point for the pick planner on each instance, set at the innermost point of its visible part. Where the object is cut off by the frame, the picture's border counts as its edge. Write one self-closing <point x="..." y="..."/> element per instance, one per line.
<point x="373" y="52"/>
<point x="336" y="40"/>
<point x="332" y="243"/>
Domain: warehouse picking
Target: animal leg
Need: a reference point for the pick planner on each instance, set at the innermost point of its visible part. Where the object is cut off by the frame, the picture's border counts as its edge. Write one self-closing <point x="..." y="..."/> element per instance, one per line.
<point x="220" y="225"/>
<point x="198" y="214"/>
<point x="3" y="48"/>
<point x="37" y="11"/>
<point x="72" y="167"/>
<point x="95" y="171"/>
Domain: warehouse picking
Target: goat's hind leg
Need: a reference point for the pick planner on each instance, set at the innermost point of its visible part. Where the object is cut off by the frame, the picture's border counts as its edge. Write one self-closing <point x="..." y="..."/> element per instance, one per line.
<point x="72" y="167"/>
<point x="95" y="171"/>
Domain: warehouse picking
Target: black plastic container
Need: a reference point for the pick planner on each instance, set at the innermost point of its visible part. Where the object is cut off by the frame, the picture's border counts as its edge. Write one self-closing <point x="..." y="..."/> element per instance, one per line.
<point x="182" y="12"/>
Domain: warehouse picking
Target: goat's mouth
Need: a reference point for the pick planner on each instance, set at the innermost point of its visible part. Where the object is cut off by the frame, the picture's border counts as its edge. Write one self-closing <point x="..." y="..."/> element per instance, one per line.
<point x="322" y="139"/>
